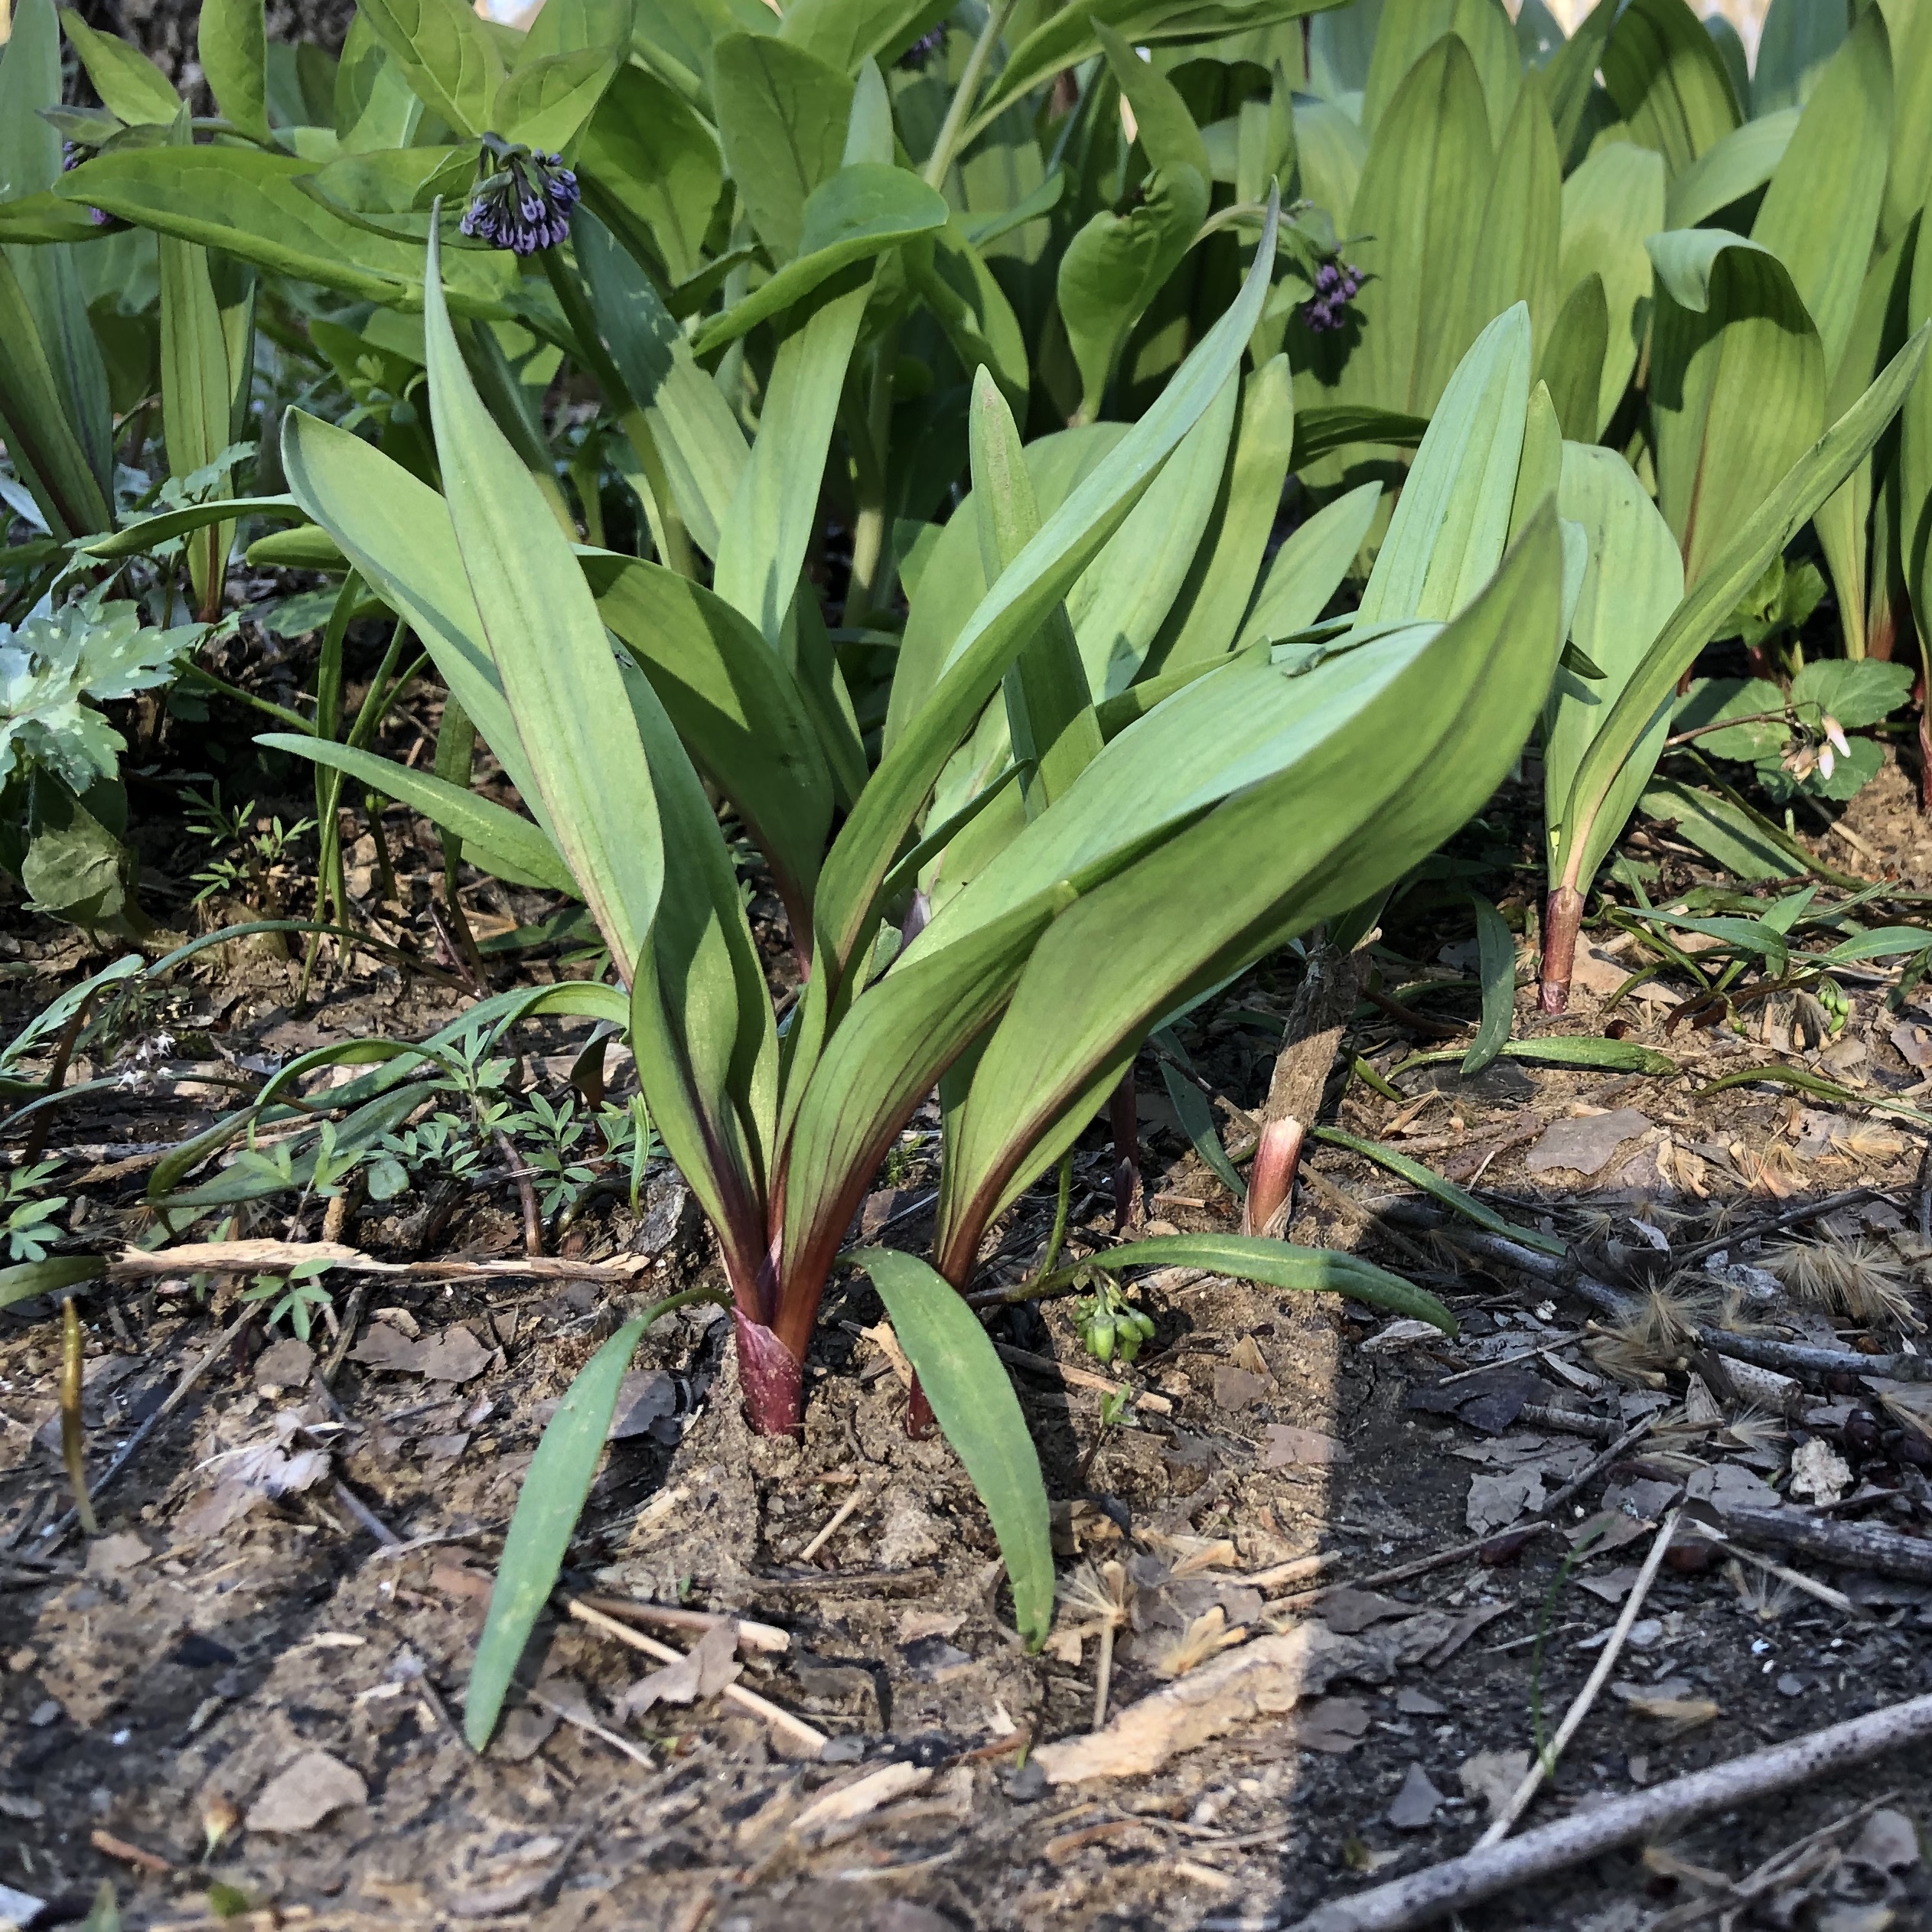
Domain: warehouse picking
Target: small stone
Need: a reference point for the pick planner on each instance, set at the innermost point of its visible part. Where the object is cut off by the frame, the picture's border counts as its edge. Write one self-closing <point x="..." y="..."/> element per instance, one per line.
<point x="1818" y="1470"/>
<point x="1645" y="1632"/>
<point x="1415" y="1805"/>
<point x="1790" y="1686"/>
<point x="303" y="1793"/>
<point x="43" y="1713"/>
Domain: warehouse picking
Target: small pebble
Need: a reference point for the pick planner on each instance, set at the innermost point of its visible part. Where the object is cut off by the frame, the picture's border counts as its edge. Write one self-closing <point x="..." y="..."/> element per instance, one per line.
<point x="1790" y="1686"/>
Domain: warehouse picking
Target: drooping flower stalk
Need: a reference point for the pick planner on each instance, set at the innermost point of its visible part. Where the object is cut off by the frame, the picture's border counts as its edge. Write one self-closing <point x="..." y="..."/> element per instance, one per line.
<point x="525" y="204"/>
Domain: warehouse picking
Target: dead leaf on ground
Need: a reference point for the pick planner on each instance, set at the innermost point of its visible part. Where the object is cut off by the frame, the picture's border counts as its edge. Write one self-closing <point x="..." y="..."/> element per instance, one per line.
<point x="1495" y="1502"/>
<point x="1492" y="1777"/>
<point x="1265" y="1678"/>
<point x="1415" y="1805"/>
<point x="703" y="1671"/>
<point x="1288" y="1447"/>
<point x="300" y="1796"/>
<point x="112" y="1556"/>
<point x="1613" y="1585"/>
<point x="1238" y="1388"/>
<point x="455" y="1356"/>
<point x="1333" y="1724"/>
<point x="287" y="1364"/>
<point x="1347" y="1610"/>
<point x="1673" y="1702"/>
<point x="1584" y="1145"/>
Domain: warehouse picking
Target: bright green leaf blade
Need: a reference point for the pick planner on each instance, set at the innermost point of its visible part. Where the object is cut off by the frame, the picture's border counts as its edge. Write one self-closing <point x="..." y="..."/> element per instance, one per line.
<point x="1332" y="426"/>
<point x="1495" y="949"/>
<point x="566" y="694"/>
<point x="142" y="536"/>
<point x="1197" y="1119"/>
<point x="545" y="103"/>
<point x="446" y="55"/>
<point x="232" y="43"/>
<point x="1281" y="1264"/>
<point x="1718" y="828"/>
<point x="1610" y="204"/>
<point x="556" y="1487"/>
<point x="1740" y="164"/>
<point x="515" y="849"/>
<point x="1309" y="568"/>
<point x="1882" y="943"/>
<point x="24" y="1280"/>
<point x="1664" y="72"/>
<point x="1568" y="1049"/>
<point x="974" y="1401"/>
<point x="782" y="115"/>
<point x="1440" y="1188"/>
<point x="129" y="84"/>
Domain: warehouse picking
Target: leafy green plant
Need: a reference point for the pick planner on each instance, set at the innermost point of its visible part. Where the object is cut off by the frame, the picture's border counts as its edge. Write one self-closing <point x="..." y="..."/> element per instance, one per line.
<point x="26" y="1226"/>
<point x="298" y="1297"/>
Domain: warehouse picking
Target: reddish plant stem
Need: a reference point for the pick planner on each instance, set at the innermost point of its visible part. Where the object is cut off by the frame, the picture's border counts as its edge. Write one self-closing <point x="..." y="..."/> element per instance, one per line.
<point x="1562" y="921"/>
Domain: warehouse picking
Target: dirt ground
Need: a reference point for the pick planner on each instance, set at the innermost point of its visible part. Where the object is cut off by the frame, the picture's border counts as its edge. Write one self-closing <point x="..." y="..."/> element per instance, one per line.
<point x="243" y="1708"/>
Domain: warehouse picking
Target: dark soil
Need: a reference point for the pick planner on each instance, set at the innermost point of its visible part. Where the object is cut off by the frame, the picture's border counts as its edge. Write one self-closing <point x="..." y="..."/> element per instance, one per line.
<point x="160" y="1677"/>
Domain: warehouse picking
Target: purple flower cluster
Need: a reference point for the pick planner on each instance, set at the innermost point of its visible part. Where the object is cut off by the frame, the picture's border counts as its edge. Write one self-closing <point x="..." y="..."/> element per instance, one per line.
<point x="1336" y="284"/>
<point x="72" y="155"/>
<point x="922" y="50"/>
<point x="525" y="205"/>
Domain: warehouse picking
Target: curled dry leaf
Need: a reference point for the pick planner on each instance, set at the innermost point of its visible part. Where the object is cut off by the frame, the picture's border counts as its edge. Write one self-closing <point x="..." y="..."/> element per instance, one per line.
<point x="302" y="1794"/>
<point x="1492" y="1777"/>
<point x="703" y="1671"/>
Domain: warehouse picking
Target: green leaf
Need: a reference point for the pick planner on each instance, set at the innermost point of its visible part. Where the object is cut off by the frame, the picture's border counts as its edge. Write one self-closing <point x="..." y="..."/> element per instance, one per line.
<point x="762" y="543"/>
<point x="1408" y="32"/>
<point x="1820" y="213"/>
<point x="846" y="34"/>
<point x="1566" y="1050"/>
<point x="1309" y="568"/>
<point x="1279" y="1264"/>
<point x="1496" y="951"/>
<point x="510" y="847"/>
<point x="1166" y="129"/>
<point x="1794" y="45"/>
<point x="1716" y="826"/>
<point x="1114" y="267"/>
<point x="860" y="211"/>
<point x="966" y="300"/>
<point x="735" y="706"/>
<point x="1517" y="252"/>
<point x="446" y="55"/>
<point x="1197" y="1119"/>
<point x="1452" y="518"/>
<point x="548" y="645"/>
<point x="132" y="88"/>
<point x="1420" y="210"/>
<point x="1737" y="386"/>
<point x="138" y="538"/>
<point x="968" y="1387"/>
<point x="782" y="113"/>
<point x="1668" y="79"/>
<point x="1631" y="584"/>
<point x="1439" y="1188"/>
<point x="1332" y="426"/>
<point x="704" y="451"/>
<point x="232" y="45"/>
<point x="1571" y="368"/>
<point x="48" y="453"/>
<point x="1882" y="943"/>
<point x="250" y="204"/>
<point x="1610" y="204"/>
<point x="1867" y="692"/>
<point x="650" y="154"/>
<point x="28" y="1278"/>
<point x="1710" y="701"/>
<point x="556" y="1487"/>
<point x="545" y="104"/>
<point x="1740" y="164"/>
<point x="1206" y="615"/>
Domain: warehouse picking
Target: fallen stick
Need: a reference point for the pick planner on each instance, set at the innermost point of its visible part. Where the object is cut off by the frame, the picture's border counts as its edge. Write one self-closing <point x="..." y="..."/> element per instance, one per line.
<point x="1585" y="1476"/>
<point x="751" y="1636"/>
<point x="1459" y="1883"/>
<point x="1851" y="1546"/>
<point x="795" y="1728"/>
<point x="244" y="1257"/>
<point x="1308" y="1599"/>
<point x="1544" y="1762"/>
<point x="1797" y="1358"/>
<point x="1022" y="1358"/>
<point x="1791" y="1217"/>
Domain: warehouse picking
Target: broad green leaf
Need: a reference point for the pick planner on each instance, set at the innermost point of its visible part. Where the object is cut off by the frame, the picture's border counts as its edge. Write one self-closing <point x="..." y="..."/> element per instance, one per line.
<point x="556" y="1487"/>
<point x="1710" y="701"/>
<point x="1114" y="267"/>
<point x="1882" y="943"/>
<point x="1737" y="385"/>
<point x="1203" y="787"/>
<point x="1197" y="1119"/>
<point x="1538" y="34"/>
<point x="545" y="104"/>
<point x="1452" y="518"/>
<point x="1794" y="46"/>
<point x="1207" y="614"/>
<point x="1914" y="473"/>
<point x="564" y="692"/>
<point x="1669" y="82"/>
<point x="26" y="1279"/>
<point x="1856" y="695"/>
<point x="1820" y="213"/>
<point x="1410" y="29"/>
<point x="846" y="34"/>
<point x="196" y="395"/>
<point x="1717" y="827"/>
<point x="1308" y="569"/>
<point x="1331" y="151"/>
<point x="762" y="541"/>
<point x="703" y="449"/>
<point x="446" y="54"/>
<point x="1740" y="164"/>
<point x="1446" y="1191"/>
<point x="1568" y="1049"/>
<point x="736" y="708"/>
<point x="1332" y="426"/>
<point x="1610" y="204"/>
<point x="1420" y="210"/>
<point x="1516" y="255"/>
<point x="1281" y="1264"/>
<point x="1910" y="170"/>
<point x="966" y="299"/>
<point x="1633" y="581"/>
<point x="1572" y="369"/>
<point x="132" y="88"/>
<point x="1570" y="78"/>
<point x="1496" y="964"/>
<point x="647" y="152"/>
<point x="1731" y="51"/>
<point x="973" y="1400"/>
<point x="47" y="452"/>
<point x="862" y="210"/>
<point x="248" y="204"/>
<point x="138" y="538"/>
<point x="781" y="120"/>
<point x="1012" y="610"/>
<point x="510" y="847"/>
<point x="1166" y="129"/>
<point x="232" y="45"/>
<point x="1797" y="497"/>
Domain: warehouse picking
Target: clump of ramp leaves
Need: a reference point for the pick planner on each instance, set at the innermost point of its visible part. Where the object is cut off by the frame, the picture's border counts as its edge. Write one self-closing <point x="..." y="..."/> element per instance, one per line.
<point x="1159" y="846"/>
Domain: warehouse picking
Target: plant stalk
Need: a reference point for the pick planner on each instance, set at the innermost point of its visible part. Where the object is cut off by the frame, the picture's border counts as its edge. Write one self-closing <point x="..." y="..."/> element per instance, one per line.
<point x="940" y="163"/>
<point x="1562" y="921"/>
<point x="73" y="1439"/>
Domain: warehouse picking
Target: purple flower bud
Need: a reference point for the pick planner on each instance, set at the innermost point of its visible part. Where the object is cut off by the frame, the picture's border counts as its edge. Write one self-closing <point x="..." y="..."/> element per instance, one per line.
<point x="922" y="50"/>
<point x="1336" y="284"/>
<point x="525" y="205"/>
